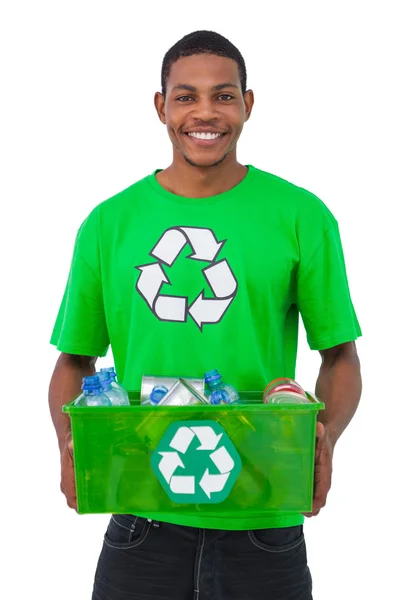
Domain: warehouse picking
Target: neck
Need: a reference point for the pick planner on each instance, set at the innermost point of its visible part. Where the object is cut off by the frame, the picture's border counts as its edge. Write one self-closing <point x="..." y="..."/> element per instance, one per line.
<point x="183" y="179"/>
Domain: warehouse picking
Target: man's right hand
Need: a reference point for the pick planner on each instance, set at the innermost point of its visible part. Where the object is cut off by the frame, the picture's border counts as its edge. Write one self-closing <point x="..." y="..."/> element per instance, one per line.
<point x="66" y="384"/>
<point x="67" y="486"/>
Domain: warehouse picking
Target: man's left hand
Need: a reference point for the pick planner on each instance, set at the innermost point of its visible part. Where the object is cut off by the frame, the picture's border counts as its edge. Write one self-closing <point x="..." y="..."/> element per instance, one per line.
<point x="323" y="469"/>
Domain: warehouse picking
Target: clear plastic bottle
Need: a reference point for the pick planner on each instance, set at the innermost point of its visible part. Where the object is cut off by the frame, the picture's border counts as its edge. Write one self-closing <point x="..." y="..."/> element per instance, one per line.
<point x="116" y="395"/>
<point x="92" y="393"/>
<point x="157" y="393"/>
<point x="219" y="392"/>
<point x="114" y="384"/>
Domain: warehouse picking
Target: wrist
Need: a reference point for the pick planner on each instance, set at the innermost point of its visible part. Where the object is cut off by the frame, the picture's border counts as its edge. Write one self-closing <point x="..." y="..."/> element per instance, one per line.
<point x="332" y="435"/>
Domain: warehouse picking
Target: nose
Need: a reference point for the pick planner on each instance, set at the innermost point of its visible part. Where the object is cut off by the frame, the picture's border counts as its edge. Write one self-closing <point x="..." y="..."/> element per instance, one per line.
<point x="205" y="109"/>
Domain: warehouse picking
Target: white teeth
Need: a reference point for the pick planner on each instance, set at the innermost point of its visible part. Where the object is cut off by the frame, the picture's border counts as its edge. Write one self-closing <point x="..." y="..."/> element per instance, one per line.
<point x="205" y="136"/>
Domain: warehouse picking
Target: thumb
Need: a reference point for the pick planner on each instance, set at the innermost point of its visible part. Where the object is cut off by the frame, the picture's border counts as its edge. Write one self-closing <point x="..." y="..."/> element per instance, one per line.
<point x="320" y="430"/>
<point x="70" y="445"/>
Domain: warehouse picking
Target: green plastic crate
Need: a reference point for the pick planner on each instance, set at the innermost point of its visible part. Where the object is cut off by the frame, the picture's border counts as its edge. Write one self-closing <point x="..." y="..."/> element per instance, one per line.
<point x="117" y="457"/>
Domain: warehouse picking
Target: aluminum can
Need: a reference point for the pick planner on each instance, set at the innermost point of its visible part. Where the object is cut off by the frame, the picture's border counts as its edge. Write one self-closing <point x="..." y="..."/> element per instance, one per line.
<point x="149" y="381"/>
<point x="179" y="395"/>
<point x="283" y="384"/>
<point x="286" y="398"/>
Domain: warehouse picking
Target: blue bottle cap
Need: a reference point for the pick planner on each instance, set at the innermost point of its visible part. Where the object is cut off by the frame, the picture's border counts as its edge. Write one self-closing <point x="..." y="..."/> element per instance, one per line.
<point x="91" y="382"/>
<point x="105" y="380"/>
<point x="211" y="376"/>
<point x="157" y="393"/>
<point x="110" y="372"/>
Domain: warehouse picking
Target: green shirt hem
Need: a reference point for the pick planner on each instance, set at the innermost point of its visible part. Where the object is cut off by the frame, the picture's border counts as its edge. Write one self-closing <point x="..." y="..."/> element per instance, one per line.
<point x="336" y="340"/>
<point x="234" y="523"/>
<point x="78" y="349"/>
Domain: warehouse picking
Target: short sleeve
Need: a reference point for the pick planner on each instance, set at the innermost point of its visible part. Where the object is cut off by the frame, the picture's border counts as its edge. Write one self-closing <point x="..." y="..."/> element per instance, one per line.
<point x="323" y="295"/>
<point x="80" y="326"/>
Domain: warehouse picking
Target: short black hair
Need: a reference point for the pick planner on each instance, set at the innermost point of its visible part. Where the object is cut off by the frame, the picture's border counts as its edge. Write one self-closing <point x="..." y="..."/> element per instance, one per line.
<point x="202" y="42"/>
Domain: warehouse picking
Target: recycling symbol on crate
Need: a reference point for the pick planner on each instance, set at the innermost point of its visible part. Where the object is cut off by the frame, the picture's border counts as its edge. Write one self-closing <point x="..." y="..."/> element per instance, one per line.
<point x="196" y="462"/>
<point x="167" y="307"/>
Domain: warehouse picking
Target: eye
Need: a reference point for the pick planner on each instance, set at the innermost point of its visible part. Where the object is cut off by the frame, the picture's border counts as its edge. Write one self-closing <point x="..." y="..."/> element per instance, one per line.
<point x="182" y="98"/>
<point x="226" y="96"/>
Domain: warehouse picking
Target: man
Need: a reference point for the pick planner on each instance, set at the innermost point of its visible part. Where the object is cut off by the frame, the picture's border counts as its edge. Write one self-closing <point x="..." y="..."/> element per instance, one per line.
<point x="275" y="251"/>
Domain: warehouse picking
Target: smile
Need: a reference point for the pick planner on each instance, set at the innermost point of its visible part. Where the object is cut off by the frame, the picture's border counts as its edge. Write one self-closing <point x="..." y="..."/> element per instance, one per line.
<point x="204" y="138"/>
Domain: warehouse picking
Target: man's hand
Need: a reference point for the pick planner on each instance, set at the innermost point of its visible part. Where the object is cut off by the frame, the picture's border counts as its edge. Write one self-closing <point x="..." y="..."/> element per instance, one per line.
<point x="323" y="470"/>
<point x="68" y="473"/>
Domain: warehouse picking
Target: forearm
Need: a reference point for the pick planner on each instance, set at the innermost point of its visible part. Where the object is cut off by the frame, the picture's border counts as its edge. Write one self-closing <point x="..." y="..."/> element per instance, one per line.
<point x="339" y="387"/>
<point x="65" y="384"/>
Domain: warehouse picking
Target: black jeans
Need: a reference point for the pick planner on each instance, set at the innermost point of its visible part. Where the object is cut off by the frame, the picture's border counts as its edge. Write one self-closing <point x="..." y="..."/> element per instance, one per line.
<point x="147" y="560"/>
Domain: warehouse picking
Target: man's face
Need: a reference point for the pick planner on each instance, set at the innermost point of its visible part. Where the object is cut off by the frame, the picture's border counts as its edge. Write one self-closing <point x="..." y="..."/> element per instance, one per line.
<point x="204" y="108"/>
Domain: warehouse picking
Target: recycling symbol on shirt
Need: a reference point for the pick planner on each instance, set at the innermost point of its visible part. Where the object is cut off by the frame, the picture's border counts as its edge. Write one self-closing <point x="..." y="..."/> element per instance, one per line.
<point x="196" y="462"/>
<point x="218" y="275"/>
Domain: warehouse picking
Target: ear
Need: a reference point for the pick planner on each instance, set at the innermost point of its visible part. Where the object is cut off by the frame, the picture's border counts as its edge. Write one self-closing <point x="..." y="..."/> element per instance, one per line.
<point x="159" y="103"/>
<point x="248" y="102"/>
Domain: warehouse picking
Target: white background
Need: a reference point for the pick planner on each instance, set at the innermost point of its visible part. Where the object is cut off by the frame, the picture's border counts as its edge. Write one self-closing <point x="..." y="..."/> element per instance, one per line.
<point x="78" y="125"/>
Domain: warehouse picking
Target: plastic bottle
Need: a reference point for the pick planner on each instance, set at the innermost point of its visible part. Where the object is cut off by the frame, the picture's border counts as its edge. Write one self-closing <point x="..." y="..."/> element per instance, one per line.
<point x="116" y="395"/>
<point x="92" y="393"/>
<point x="114" y="384"/>
<point x="219" y="392"/>
<point x="157" y="393"/>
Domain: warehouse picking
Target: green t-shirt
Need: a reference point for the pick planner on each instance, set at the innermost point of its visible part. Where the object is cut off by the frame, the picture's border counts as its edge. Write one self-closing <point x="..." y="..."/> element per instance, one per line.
<point x="180" y="286"/>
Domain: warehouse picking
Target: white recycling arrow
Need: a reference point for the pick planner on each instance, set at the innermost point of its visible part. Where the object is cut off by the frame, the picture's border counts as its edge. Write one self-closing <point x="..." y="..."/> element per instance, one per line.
<point x="213" y="483"/>
<point x="203" y="242"/>
<point x="171" y="308"/>
<point x="169" y="463"/>
<point x="150" y="281"/>
<point x="169" y="246"/>
<point x="182" y="438"/>
<point x="222" y="460"/>
<point x="208" y="310"/>
<point x="219" y="276"/>
<point x="182" y="484"/>
<point x="209" y="440"/>
<point x="207" y="437"/>
<point x="221" y="279"/>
